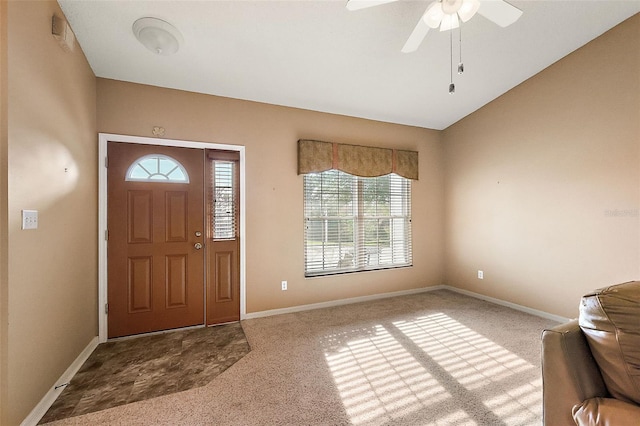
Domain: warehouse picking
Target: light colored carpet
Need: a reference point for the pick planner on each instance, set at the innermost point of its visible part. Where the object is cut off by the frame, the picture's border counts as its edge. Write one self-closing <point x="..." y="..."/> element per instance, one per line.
<point x="435" y="358"/>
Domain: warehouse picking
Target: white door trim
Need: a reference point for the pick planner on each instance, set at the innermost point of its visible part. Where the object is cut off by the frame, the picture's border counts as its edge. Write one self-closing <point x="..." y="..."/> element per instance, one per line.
<point x="103" y="138"/>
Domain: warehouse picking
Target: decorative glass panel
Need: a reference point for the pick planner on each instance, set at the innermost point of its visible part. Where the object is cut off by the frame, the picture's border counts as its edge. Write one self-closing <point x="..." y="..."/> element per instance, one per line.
<point x="157" y="167"/>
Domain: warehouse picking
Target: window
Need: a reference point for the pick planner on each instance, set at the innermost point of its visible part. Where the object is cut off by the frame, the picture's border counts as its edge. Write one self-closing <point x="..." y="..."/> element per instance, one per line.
<point x="356" y="224"/>
<point x="224" y="201"/>
<point x="157" y="167"/>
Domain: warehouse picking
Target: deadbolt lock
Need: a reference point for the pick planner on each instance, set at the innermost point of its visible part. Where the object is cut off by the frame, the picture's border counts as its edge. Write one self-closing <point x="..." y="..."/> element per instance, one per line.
<point x="198" y="234"/>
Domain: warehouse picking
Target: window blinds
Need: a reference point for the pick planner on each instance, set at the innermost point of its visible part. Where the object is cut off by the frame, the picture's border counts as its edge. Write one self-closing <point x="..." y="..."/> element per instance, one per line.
<point x="224" y="216"/>
<point x="356" y="224"/>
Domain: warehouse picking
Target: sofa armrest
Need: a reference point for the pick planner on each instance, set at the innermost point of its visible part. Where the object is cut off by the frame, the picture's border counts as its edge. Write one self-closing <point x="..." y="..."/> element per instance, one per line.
<point x="606" y="412"/>
<point x="570" y="375"/>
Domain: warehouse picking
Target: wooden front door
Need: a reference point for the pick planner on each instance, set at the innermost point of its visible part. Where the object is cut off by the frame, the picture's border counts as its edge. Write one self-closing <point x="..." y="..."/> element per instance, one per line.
<point x="156" y="237"/>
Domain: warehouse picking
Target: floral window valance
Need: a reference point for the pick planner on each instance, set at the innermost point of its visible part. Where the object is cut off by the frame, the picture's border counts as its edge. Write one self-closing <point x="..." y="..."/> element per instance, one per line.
<point x="317" y="156"/>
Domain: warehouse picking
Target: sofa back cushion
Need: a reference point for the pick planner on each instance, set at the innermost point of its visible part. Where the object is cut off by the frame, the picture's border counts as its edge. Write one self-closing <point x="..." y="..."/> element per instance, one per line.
<point x="610" y="320"/>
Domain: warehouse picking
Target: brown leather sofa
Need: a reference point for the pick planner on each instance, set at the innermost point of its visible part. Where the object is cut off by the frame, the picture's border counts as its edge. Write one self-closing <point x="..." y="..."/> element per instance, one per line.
<point x="591" y="366"/>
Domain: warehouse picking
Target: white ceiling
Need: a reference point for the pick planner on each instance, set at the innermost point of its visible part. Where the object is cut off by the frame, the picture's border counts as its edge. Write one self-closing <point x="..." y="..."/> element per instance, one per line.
<point x="317" y="55"/>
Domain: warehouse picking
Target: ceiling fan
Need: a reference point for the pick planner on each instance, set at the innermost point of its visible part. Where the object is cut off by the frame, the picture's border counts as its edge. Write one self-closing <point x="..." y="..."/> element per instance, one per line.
<point x="447" y="15"/>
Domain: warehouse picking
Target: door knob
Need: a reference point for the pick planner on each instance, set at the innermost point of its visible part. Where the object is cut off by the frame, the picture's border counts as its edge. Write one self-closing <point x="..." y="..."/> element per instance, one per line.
<point x="198" y="246"/>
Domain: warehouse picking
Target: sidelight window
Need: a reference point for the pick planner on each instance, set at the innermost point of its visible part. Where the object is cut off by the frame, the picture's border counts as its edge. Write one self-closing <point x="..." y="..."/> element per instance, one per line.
<point x="224" y="202"/>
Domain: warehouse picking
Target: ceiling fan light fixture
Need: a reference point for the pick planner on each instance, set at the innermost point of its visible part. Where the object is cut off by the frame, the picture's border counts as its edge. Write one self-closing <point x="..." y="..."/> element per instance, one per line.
<point x="434" y="14"/>
<point x="468" y="9"/>
<point x="451" y="6"/>
<point x="157" y="35"/>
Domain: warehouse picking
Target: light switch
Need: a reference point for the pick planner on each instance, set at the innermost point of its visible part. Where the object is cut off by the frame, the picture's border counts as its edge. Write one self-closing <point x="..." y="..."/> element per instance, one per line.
<point x="29" y="219"/>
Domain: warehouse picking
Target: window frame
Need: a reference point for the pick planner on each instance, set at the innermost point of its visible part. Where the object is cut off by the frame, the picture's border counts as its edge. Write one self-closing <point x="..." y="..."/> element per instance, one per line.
<point x="360" y="256"/>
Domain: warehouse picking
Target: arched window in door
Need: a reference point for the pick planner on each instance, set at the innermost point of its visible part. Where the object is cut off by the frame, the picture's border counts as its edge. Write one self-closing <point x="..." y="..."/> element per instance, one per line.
<point x="157" y="168"/>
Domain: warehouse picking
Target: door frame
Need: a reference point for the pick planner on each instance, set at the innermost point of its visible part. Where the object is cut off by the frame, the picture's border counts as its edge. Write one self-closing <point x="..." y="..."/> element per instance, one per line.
<point x="103" y="139"/>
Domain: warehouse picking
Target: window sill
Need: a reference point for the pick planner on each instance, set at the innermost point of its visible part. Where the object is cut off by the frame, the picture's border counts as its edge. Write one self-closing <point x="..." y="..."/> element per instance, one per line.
<point x="354" y="271"/>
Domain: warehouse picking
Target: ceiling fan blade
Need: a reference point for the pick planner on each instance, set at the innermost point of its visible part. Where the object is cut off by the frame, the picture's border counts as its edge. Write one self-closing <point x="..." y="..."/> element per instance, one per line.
<point x="499" y="11"/>
<point x="363" y="4"/>
<point x="416" y="37"/>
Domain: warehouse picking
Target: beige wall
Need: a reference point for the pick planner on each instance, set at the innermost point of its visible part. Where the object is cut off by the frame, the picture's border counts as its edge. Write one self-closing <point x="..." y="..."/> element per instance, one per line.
<point x="3" y="215"/>
<point x="532" y="177"/>
<point x="52" y="270"/>
<point x="274" y="234"/>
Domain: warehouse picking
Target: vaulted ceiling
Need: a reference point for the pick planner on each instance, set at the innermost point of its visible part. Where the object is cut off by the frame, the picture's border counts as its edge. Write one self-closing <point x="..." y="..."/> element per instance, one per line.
<point x="317" y="55"/>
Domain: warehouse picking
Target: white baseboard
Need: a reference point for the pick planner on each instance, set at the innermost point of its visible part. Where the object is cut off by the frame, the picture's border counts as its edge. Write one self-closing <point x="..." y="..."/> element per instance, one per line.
<point x="340" y="302"/>
<point x="515" y="306"/>
<point x="47" y="401"/>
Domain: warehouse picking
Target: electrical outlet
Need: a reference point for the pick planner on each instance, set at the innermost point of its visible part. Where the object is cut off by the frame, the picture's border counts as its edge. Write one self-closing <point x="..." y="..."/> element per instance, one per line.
<point x="284" y="285"/>
<point x="29" y="219"/>
<point x="481" y="275"/>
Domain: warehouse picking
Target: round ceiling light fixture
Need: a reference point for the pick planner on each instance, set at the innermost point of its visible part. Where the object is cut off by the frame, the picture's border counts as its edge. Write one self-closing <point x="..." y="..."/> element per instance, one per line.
<point x="445" y="13"/>
<point x="157" y="35"/>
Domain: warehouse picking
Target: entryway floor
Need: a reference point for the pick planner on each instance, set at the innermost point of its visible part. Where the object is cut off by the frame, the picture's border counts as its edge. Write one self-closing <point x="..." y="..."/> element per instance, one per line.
<point x="129" y="370"/>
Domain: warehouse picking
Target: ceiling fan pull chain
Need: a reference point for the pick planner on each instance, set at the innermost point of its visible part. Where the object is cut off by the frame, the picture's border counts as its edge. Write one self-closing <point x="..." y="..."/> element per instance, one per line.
<point x="460" y="64"/>
<point x="452" y="87"/>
